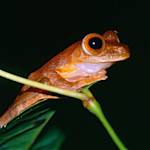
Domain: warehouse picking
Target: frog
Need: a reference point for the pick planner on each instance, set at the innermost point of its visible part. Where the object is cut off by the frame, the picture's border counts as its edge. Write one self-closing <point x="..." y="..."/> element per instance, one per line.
<point x="81" y="64"/>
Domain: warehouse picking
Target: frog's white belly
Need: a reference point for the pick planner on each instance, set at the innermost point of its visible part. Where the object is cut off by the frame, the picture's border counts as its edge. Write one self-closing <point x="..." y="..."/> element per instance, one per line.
<point x="92" y="68"/>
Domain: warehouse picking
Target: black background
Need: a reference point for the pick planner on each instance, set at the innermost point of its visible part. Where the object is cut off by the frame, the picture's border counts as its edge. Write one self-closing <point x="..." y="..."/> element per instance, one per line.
<point x="33" y="32"/>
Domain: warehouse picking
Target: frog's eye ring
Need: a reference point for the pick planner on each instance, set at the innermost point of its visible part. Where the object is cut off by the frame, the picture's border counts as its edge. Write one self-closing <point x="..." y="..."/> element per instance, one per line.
<point x="93" y="43"/>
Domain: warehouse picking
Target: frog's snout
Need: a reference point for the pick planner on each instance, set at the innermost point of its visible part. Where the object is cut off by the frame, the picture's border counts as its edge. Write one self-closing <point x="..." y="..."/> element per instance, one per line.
<point x="123" y="51"/>
<point x="114" y="53"/>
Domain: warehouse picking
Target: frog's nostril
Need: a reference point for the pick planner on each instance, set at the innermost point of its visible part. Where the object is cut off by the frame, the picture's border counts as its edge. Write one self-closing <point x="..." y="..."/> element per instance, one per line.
<point x="125" y="49"/>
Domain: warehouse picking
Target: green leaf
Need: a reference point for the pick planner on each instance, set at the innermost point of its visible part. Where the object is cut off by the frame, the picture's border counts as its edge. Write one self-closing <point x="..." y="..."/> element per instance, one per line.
<point x="29" y="131"/>
<point x="48" y="142"/>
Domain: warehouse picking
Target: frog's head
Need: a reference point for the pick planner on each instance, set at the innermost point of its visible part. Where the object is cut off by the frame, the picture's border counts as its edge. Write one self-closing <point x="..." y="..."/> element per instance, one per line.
<point x="104" y="48"/>
<point x="88" y="59"/>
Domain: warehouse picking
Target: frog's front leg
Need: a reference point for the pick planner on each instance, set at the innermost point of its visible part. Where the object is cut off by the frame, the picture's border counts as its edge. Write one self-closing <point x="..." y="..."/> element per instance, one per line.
<point x="101" y="75"/>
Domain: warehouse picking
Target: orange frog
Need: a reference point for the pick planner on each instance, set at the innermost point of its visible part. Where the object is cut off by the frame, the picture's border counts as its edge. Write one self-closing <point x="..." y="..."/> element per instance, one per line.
<point x="81" y="64"/>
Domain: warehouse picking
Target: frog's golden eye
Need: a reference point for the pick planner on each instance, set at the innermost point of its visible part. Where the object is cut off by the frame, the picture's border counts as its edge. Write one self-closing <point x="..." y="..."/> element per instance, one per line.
<point x="93" y="43"/>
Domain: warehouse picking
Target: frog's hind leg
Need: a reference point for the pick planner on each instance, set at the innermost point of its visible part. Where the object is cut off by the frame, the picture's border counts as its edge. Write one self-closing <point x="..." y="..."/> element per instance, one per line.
<point x="23" y="102"/>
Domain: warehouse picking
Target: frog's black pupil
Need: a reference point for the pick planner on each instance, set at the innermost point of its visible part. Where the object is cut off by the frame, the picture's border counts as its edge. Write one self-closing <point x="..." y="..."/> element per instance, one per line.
<point x="95" y="43"/>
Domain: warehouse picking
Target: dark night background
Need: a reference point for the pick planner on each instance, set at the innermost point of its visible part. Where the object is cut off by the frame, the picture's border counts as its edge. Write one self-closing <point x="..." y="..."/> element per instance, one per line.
<point x="33" y="32"/>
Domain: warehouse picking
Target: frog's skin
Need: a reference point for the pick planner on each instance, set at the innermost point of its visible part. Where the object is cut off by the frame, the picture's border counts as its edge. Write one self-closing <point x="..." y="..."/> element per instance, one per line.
<point x="81" y="64"/>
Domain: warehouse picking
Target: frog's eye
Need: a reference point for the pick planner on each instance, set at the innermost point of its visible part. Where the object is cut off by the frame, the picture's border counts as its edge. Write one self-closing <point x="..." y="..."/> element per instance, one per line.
<point x="93" y="43"/>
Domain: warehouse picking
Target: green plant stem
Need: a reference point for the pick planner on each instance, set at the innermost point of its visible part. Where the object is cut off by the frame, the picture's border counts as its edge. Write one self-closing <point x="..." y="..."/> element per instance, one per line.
<point x="42" y="86"/>
<point x="95" y="108"/>
<point x="86" y="97"/>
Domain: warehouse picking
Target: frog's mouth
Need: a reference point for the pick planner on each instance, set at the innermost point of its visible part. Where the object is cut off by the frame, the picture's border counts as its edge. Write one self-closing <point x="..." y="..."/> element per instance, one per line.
<point x="115" y="58"/>
<point x="117" y="52"/>
<point x="109" y="58"/>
